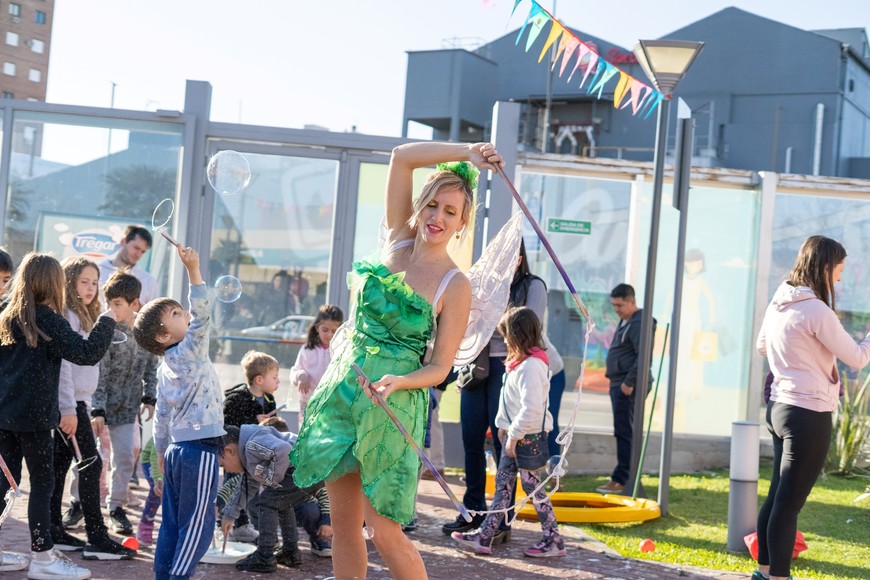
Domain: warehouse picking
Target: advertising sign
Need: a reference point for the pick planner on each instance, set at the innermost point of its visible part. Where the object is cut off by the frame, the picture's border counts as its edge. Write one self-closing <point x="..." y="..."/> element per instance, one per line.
<point x="95" y="238"/>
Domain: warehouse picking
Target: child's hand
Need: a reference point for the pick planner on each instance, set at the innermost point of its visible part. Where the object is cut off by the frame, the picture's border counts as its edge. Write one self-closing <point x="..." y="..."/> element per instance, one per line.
<point x="158" y="488"/>
<point x="69" y="424"/>
<point x="511" y="448"/>
<point x="148" y="410"/>
<point x="109" y="313"/>
<point x="98" y="423"/>
<point x="501" y="435"/>
<point x="324" y="532"/>
<point x="226" y="526"/>
<point x="190" y="259"/>
<point x="303" y="381"/>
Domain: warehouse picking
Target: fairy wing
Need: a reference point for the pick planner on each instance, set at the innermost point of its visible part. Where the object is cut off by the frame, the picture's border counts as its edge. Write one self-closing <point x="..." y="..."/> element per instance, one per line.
<point x="490" y="278"/>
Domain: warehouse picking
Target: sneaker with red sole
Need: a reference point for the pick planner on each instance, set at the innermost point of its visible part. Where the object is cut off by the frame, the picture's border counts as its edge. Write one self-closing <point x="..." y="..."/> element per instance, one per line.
<point x="472" y="541"/>
<point x="549" y="547"/>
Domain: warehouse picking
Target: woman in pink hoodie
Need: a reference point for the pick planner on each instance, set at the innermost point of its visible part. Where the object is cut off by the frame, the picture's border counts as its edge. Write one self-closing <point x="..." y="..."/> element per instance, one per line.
<point x="802" y="339"/>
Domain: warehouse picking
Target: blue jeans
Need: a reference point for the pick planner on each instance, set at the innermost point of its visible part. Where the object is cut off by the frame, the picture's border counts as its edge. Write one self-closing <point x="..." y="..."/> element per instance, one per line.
<point x="477" y="410"/>
<point x="623" y="422"/>
<point x="557" y="387"/>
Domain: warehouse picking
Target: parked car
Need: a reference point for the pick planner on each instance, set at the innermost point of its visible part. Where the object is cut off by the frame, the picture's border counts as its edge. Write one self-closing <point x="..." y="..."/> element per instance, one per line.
<point x="291" y="328"/>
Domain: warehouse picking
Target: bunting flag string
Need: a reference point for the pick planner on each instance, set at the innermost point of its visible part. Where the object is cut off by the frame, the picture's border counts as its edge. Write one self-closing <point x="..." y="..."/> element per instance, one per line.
<point x="629" y="91"/>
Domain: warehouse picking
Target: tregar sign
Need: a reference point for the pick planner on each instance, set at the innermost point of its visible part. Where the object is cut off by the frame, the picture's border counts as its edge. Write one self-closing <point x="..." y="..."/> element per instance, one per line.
<point x="95" y="238"/>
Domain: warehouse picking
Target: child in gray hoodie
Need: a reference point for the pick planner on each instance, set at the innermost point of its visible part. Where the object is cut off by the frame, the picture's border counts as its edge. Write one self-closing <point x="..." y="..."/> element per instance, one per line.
<point x="188" y="423"/>
<point x="263" y="454"/>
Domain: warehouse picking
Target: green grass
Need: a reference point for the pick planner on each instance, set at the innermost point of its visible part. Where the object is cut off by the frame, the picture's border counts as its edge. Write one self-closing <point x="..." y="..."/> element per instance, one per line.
<point x="695" y="531"/>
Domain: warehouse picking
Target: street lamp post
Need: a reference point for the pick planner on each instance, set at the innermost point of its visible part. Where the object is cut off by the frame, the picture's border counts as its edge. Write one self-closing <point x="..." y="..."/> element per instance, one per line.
<point x="665" y="62"/>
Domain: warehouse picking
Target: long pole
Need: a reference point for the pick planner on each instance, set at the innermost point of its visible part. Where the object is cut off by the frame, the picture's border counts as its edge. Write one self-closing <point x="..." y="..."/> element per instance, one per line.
<point x="682" y="173"/>
<point x="645" y="350"/>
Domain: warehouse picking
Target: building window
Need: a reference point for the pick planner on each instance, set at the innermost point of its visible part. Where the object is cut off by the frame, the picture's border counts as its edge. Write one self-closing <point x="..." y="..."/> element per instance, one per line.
<point x="14" y="9"/>
<point x="8" y="95"/>
<point x="11" y="39"/>
<point x="34" y="75"/>
<point x="40" y="17"/>
<point x="37" y="46"/>
<point x="9" y="68"/>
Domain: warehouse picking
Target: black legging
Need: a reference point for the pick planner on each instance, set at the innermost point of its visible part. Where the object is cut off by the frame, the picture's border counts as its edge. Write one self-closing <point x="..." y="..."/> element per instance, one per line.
<point x="35" y="447"/>
<point x="89" y="478"/>
<point x="800" y="444"/>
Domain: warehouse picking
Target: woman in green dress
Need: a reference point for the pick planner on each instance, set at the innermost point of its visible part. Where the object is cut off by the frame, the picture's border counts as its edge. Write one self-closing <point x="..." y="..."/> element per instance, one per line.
<point x="410" y="297"/>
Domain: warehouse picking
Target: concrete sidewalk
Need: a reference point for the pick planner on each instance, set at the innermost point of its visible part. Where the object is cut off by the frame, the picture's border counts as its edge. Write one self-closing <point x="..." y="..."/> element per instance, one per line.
<point x="586" y="558"/>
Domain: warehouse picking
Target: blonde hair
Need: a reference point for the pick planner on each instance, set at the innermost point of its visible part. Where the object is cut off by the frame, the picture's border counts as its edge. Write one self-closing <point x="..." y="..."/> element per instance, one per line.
<point x="438" y="181"/>
<point x="256" y="363"/>
<point x="39" y="280"/>
<point x="73" y="266"/>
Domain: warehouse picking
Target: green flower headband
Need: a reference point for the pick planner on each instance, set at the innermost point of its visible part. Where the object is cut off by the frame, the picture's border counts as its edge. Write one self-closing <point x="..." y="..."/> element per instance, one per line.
<point x="467" y="171"/>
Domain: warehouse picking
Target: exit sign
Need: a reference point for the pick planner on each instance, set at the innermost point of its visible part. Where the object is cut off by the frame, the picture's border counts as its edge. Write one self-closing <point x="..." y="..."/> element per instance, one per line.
<point x="560" y="226"/>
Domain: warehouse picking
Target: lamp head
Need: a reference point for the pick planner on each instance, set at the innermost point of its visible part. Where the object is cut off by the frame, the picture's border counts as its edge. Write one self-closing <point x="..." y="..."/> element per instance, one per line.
<point x="665" y="62"/>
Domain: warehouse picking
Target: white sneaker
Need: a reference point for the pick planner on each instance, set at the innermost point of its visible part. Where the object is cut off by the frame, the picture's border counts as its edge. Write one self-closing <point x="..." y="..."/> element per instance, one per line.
<point x="12" y="561"/>
<point x="58" y="567"/>
<point x="133" y="501"/>
<point x="245" y="533"/>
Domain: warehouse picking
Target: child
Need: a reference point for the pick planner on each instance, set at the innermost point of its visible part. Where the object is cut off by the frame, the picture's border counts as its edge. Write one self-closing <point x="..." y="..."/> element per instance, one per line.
<point x="263" y="454"/>
<point x="128" y="379"/>
<point x="249" y="403"/>
<point x="77" y="385"/>
<point x="154" y="475"/>
<point x="188" y="423"/>
<point x="313" y="514"/>
<point x="34" y="338"/>
<point x="6" y="270"/>
<point x="313" y="358"/>
<point x="522" y="412"/>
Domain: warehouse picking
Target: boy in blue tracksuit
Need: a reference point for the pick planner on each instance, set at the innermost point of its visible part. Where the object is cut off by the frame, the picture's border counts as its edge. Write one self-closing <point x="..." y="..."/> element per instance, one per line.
<point x="188" y="424"/>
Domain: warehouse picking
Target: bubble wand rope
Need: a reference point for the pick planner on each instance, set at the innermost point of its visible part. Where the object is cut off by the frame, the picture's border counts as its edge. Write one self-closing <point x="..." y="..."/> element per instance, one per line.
<point x="567" y="433"/>
<point x="13" y="492"/>
<point x="383" y="404"/>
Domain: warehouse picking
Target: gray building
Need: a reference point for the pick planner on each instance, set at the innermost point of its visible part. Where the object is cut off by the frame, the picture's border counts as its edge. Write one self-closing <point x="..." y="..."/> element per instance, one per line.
<point x="765" y="96"/>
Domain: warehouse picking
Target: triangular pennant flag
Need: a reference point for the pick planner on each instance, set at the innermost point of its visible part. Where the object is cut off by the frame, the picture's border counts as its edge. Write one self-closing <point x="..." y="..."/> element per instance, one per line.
<point x="592" y="66"/>
<point x="584" y="52"/>
<point x="555" y="32"/>
<point x="654" y="102"/>
<point x="536" y="9"/>
<point x="538" y="24"/>
<point x="516" y="3"/>
<point x="602" y="75"/>
<point x="637" y="90"/>
<point x="567" y="46"/>
<point x="621" y="89"/>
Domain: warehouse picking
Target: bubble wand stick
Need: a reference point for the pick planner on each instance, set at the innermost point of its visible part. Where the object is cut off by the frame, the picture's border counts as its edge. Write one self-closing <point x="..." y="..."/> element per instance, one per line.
<point x="383" y="404"/>
<point x="13" y="492"/>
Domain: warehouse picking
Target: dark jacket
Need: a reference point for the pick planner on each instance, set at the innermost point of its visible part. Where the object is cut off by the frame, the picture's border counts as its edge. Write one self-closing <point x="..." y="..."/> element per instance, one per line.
<point x="242" y="408"/>
<point x="623" y="352"/>
<point x="29" y="377"/>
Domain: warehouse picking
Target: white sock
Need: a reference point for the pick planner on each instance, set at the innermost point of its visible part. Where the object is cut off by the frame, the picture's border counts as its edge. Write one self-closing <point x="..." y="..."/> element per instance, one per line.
<point x="44" y="556"/>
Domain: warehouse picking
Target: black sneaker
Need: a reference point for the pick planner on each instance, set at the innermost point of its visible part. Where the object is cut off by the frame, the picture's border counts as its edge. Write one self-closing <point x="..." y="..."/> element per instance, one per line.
<point x="289" y="558"/>
<point x="73" y="515"/>
<point x="461" y="526"/>
<point x="66" y="542"/>
<point x="105" y="548"/>
<point x="120" y="523"/>
<point x="501" y="536"/>
<point x="257" y="562"/>
<point x="410" y="526"/>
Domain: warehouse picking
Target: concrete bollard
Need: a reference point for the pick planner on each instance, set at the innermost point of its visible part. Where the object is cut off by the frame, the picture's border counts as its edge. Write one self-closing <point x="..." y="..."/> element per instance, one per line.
<point x="743" y="491"/>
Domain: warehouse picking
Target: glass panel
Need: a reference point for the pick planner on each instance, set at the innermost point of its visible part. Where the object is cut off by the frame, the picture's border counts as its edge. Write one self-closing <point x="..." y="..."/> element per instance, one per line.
<point x="845" y="220"/>
<point x="716" y="340"/>
<point x="595" y="262"/>
<point x="276" y="238"/>
<point x="76" y="182"/>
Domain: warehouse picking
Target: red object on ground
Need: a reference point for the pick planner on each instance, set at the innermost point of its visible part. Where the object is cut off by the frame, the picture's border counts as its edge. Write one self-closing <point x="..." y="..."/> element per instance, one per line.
<point x="647" y="545"/>
<point x="751" y="542"/>
<point x="131" y="543"/>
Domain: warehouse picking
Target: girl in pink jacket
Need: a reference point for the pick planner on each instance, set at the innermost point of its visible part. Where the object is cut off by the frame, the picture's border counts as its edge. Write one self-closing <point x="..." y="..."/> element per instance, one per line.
<point x="802" y="339"/>
<point x="314" y="357"/>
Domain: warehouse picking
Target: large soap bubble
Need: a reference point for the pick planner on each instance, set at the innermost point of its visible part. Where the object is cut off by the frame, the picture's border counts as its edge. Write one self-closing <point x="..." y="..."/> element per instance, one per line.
<point x="228" y="289"/>
<point x="229" y="172"/>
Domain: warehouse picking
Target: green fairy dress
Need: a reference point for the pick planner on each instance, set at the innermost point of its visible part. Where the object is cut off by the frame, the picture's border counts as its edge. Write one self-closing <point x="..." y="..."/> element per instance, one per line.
<point x="343" y="430"/>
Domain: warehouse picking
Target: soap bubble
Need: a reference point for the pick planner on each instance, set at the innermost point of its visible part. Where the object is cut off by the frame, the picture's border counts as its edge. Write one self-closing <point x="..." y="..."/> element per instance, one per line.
<point x="118" y="337"/>
<point x="368" y="532"/>
<point x="228" y="172"/>
<point x="556" y="467"/>
<point x="228" y="289"/>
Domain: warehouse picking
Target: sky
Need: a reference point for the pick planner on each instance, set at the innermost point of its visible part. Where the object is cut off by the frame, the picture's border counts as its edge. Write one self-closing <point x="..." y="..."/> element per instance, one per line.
<point x="339" y="64"/>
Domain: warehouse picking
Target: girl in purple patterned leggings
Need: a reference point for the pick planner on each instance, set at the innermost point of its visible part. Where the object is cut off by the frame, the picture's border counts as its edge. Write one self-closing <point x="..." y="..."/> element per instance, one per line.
<point x="523" y="422"/>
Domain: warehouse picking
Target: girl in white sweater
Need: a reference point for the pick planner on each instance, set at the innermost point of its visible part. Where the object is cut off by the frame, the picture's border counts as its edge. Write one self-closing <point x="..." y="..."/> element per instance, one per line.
<point x="523" y="422"/>
<point x="802" y="339"/>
